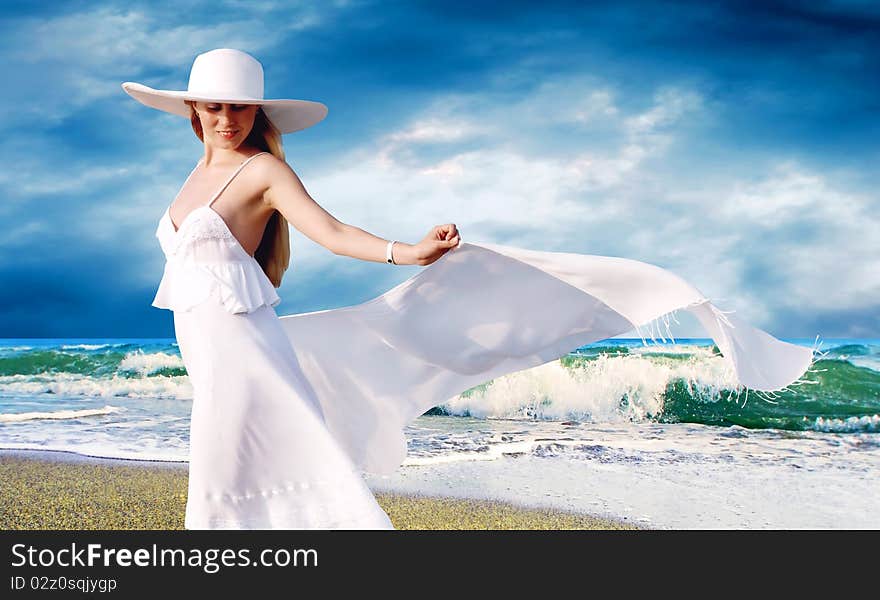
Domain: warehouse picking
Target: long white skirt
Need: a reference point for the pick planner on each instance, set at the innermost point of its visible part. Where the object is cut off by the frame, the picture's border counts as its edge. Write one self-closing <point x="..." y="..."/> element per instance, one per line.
<point x="260" y="455"/>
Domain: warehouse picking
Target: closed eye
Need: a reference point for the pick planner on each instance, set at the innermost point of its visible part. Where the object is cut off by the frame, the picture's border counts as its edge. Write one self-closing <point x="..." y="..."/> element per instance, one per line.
<point x="235" y="107"/>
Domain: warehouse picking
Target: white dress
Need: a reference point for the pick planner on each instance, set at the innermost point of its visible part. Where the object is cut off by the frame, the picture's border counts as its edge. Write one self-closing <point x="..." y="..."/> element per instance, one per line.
<point x="290" y="411"/>
<point x="260" y="456"/>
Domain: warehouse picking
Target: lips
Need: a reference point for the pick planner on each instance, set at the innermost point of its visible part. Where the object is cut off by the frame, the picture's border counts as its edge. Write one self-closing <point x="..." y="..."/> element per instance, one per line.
<point x="231" y="133"/>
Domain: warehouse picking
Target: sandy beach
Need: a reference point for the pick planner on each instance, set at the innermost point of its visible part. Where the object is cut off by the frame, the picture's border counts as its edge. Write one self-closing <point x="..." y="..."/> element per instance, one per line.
<point x="63" y="490"/>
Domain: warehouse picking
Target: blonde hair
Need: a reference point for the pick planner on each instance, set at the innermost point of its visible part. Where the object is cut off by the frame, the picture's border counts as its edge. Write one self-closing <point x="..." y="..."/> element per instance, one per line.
<point x="273" y="252"/>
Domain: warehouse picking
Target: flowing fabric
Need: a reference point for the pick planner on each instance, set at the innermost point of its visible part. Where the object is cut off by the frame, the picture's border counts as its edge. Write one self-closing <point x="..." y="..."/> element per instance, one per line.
<point x="289" y="412"/>
<point x="485" y="310"/>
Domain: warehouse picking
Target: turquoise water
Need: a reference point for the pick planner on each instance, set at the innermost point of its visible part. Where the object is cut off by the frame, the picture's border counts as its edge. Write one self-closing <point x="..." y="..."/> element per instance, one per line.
<point x="131" y="397"/>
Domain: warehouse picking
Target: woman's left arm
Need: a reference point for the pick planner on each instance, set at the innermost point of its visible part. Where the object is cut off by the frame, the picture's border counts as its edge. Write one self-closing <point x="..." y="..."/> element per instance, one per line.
<point x="286" y="194"/>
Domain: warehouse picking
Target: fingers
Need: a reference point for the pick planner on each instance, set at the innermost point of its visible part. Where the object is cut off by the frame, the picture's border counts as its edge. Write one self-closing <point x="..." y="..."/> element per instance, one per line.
<point x="446" y="232"/>
<point x="443" y="245"/>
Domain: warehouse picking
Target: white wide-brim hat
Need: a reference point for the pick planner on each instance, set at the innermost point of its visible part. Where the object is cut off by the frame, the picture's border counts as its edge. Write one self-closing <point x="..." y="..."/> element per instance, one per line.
<point x="229" y="76"/>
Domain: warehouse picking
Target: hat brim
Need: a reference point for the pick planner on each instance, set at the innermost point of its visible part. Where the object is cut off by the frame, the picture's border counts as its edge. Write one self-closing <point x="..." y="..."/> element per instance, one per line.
<point x="287" y="115"/>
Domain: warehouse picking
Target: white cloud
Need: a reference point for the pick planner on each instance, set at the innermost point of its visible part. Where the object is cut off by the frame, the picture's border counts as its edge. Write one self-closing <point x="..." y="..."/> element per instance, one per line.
<point x="785" y="238"/>
<point x="75" y="182"/>
<point x="670" y="105"/>
<point x="503" y="127"/>
<point x="435" y="130"/>
<point x="63" y="63"/>
<point x="394" y="187"/>
<point x="567" y="166"/>
<point x="832" y="261"/>
<point x="597" y="105"/>
<point x="776" y="200"/>
<point x="571" y="99"/>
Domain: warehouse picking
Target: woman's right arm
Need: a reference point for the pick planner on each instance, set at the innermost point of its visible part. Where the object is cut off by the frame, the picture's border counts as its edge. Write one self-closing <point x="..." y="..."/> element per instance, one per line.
<point x="286" y="194"/>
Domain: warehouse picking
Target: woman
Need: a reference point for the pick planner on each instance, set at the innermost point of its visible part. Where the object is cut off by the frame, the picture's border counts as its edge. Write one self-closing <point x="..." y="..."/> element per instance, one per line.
<point x="282" y="428"/>
<point x="260" y="456"/>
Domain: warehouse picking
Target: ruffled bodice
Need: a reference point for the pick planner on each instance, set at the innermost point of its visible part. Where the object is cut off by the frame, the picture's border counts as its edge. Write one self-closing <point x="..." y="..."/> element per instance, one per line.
<point x="205" y="260"/>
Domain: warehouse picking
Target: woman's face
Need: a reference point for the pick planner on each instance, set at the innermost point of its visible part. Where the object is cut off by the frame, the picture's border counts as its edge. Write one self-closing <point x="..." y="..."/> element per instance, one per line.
<point x="226" y="125"/>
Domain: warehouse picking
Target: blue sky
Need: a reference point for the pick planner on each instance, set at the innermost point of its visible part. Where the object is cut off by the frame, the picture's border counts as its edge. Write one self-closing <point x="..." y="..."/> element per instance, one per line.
<point x="734" y="144"/>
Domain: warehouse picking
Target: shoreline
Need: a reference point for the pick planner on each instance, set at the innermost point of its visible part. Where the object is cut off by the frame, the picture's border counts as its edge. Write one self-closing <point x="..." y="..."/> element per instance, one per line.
<point x="76" y="457"/>
<point x="53" y="489"/>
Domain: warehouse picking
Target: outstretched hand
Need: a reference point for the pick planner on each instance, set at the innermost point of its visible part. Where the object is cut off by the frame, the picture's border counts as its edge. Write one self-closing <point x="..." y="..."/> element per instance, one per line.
<point x="438" y="242"/>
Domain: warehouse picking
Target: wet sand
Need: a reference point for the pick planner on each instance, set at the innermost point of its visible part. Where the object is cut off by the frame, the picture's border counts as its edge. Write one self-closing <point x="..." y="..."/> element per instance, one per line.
<point x="63" y="490"/>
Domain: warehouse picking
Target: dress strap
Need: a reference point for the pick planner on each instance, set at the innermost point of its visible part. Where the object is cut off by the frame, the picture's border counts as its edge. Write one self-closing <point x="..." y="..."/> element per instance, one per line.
<point x="231" y="177"/>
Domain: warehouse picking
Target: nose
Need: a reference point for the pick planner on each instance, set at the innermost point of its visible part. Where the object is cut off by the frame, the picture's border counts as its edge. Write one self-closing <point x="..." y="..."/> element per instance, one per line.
<point x="226" y="113"/>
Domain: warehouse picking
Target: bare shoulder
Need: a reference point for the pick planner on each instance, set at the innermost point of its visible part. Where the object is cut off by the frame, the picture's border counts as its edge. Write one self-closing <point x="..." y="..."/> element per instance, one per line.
<point x="273" y="169"/>
<point x="277" y="178"/>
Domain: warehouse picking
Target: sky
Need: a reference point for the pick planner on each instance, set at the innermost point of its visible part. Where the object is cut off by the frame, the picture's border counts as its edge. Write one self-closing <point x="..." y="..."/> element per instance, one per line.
<point x="734" y="144"/>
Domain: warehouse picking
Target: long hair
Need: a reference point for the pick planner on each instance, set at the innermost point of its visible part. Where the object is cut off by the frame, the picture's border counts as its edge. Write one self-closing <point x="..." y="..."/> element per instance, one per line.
<point x="273" y="253"/>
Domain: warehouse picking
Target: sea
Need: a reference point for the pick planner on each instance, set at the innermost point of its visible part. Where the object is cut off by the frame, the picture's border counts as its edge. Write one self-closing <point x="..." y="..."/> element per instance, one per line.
<point x="655" y="433"/>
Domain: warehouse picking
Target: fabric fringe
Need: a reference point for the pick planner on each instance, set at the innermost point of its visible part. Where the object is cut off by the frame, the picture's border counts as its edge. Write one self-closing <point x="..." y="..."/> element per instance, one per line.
<point x="654" y="325"/>
<point x="770" y="397"/>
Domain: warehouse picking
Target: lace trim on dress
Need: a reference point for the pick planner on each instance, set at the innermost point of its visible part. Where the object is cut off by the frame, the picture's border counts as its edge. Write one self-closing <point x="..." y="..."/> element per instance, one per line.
<point x="209" y="229"/>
